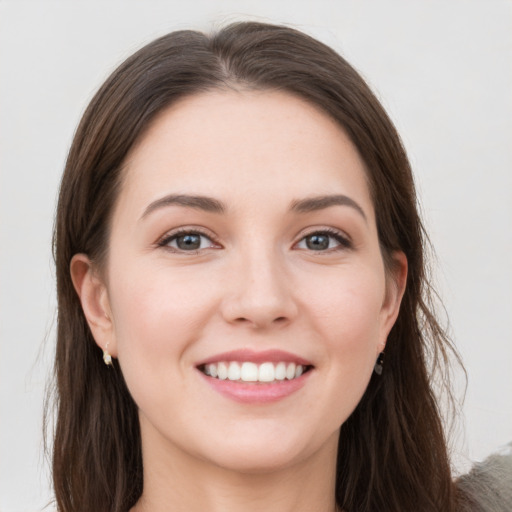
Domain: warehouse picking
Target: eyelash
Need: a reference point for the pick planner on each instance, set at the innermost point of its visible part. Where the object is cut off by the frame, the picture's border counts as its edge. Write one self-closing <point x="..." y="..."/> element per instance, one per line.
<point x="343" y="241"/>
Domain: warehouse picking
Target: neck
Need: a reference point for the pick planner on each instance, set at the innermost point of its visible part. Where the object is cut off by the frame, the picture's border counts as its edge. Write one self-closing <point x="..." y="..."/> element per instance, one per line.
<point x="174" y="480"/>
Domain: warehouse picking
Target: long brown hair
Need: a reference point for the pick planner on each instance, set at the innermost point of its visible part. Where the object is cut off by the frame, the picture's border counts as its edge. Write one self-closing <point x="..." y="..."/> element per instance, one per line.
<point x="392" y="452"/>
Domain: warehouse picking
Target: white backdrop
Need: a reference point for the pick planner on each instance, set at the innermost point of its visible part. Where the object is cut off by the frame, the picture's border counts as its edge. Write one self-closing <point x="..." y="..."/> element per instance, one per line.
<point x="442" y="68"/>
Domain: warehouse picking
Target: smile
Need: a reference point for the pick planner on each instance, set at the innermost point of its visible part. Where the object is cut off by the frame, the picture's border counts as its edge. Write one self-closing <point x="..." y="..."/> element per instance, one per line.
<point x="248" y="371"/>
<point x="253" y="377"/>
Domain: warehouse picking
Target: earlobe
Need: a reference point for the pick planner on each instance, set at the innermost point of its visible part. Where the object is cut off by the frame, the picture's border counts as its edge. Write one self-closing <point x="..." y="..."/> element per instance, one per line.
<point x="93" y="296"/>
<point x="395" y="289"/>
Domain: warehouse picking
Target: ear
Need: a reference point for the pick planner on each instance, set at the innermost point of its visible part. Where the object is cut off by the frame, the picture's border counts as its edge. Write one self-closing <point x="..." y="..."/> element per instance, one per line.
<point x="395" y="287"/>
<point x="93" y="295"/>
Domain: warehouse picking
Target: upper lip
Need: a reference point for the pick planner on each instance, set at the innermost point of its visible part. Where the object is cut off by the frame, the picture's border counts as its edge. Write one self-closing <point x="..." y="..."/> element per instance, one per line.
<point x="258" y="357"/>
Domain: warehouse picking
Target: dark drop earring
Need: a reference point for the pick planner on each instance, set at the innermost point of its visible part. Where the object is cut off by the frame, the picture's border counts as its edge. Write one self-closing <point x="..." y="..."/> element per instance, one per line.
<point x="379" y="365"/>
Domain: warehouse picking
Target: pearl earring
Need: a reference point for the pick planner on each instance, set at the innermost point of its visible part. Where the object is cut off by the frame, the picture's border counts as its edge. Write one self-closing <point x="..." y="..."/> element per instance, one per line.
<point x="107" y="358"/>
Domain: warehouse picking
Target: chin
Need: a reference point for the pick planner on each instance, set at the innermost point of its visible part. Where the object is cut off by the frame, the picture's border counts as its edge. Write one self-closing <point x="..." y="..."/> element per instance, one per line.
<point x="277" y="450"/>
<point x="255" y="460"/>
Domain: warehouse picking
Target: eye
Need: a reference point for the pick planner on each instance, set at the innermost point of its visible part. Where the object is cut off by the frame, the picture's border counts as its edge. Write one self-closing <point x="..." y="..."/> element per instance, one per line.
<point x="187" y="241"/>
<point x="324" y="241"/>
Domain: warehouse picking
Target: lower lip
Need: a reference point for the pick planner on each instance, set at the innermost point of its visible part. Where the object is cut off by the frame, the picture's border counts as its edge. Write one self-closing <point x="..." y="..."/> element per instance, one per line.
<point x="257" y="392"/>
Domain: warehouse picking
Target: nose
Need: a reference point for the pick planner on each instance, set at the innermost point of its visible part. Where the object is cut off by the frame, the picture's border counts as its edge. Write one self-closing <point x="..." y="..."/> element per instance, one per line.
<point x="259" y="293"/>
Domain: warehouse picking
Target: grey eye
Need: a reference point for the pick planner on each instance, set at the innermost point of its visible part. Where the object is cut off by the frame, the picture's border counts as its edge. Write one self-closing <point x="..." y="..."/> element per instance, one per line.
<point x="323" y="241"/>
<point x="188" y="242"/>
<point x="317" y="242"/>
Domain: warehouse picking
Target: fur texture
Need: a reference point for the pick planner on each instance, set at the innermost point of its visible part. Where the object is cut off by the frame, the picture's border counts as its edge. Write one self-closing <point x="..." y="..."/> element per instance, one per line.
<point x="488" y="486"/>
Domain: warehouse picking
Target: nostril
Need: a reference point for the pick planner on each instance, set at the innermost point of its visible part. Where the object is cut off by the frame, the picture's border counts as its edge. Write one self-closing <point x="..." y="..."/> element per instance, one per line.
<point x="241" y="320"/>
<point x="281" y="320"/>
<point x="244" y="320"/>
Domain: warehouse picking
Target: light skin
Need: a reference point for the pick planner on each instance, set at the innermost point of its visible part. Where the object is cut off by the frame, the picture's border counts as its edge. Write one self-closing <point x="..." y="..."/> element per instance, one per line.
<point x="282" y="254"/>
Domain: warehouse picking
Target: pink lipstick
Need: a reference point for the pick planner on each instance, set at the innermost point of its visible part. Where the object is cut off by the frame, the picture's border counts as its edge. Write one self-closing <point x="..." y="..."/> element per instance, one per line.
<point x="251" y="377"/>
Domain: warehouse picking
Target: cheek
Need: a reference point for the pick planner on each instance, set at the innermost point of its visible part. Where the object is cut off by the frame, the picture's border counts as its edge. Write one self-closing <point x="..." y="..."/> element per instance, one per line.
<point x="348" y="303"/>
<point x="348" y="323"/>
<point x="158" y="316"/>
<point x="158" y="313"/>
<point x="346" y="318"/>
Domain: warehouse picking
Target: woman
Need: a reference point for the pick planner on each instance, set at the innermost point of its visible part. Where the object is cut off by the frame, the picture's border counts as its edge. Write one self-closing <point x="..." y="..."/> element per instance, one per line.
<point x="244" y="316"/>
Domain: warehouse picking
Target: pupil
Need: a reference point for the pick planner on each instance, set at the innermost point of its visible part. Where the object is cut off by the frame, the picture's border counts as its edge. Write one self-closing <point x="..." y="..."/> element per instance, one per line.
<point x="317" y="242"/>
<point x="188" y="242"/>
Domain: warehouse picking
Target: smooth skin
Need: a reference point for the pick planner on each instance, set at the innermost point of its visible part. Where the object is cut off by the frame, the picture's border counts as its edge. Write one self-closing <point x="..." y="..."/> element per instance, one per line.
<point x="271" y="259"/>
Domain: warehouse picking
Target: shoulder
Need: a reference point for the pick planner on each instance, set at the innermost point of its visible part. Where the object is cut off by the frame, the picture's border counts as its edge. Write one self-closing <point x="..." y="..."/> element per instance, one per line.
<point x="488" y="486"/>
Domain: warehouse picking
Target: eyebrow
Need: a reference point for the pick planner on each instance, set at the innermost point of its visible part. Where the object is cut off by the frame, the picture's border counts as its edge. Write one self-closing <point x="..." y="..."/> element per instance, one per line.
<point x="321" y="202"/>
<point x="204" y="203"/>
<point x="209" y="204"/>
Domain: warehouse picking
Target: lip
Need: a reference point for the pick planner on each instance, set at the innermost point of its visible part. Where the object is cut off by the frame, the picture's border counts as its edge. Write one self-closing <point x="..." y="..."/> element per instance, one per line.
<point x="256" y="392"/>
<point x="258" y="357"/>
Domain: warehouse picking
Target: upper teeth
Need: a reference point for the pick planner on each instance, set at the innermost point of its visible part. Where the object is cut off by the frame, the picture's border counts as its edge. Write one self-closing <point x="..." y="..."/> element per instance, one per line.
<point x="252" y="372"/>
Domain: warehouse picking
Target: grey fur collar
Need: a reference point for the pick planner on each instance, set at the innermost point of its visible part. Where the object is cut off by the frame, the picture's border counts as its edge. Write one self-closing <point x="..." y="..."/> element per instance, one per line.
<point x="488" y="486"/>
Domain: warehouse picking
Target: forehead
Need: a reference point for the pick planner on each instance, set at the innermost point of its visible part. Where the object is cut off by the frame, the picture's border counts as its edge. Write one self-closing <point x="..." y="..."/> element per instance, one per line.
<point x="234" y="145"/>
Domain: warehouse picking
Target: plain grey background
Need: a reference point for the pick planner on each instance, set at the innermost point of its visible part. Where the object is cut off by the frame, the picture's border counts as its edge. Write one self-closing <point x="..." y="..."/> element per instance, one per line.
<point x="443" y="70"/>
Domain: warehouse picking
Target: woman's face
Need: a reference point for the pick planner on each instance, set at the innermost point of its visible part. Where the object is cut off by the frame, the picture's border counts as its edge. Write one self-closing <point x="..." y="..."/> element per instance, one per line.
<point x="243" y="252"/>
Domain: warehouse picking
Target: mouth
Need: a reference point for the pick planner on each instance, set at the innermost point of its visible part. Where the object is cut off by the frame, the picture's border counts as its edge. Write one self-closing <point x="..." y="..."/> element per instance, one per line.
<point x="256" y="377"/>
<point x="250" y="372"/>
